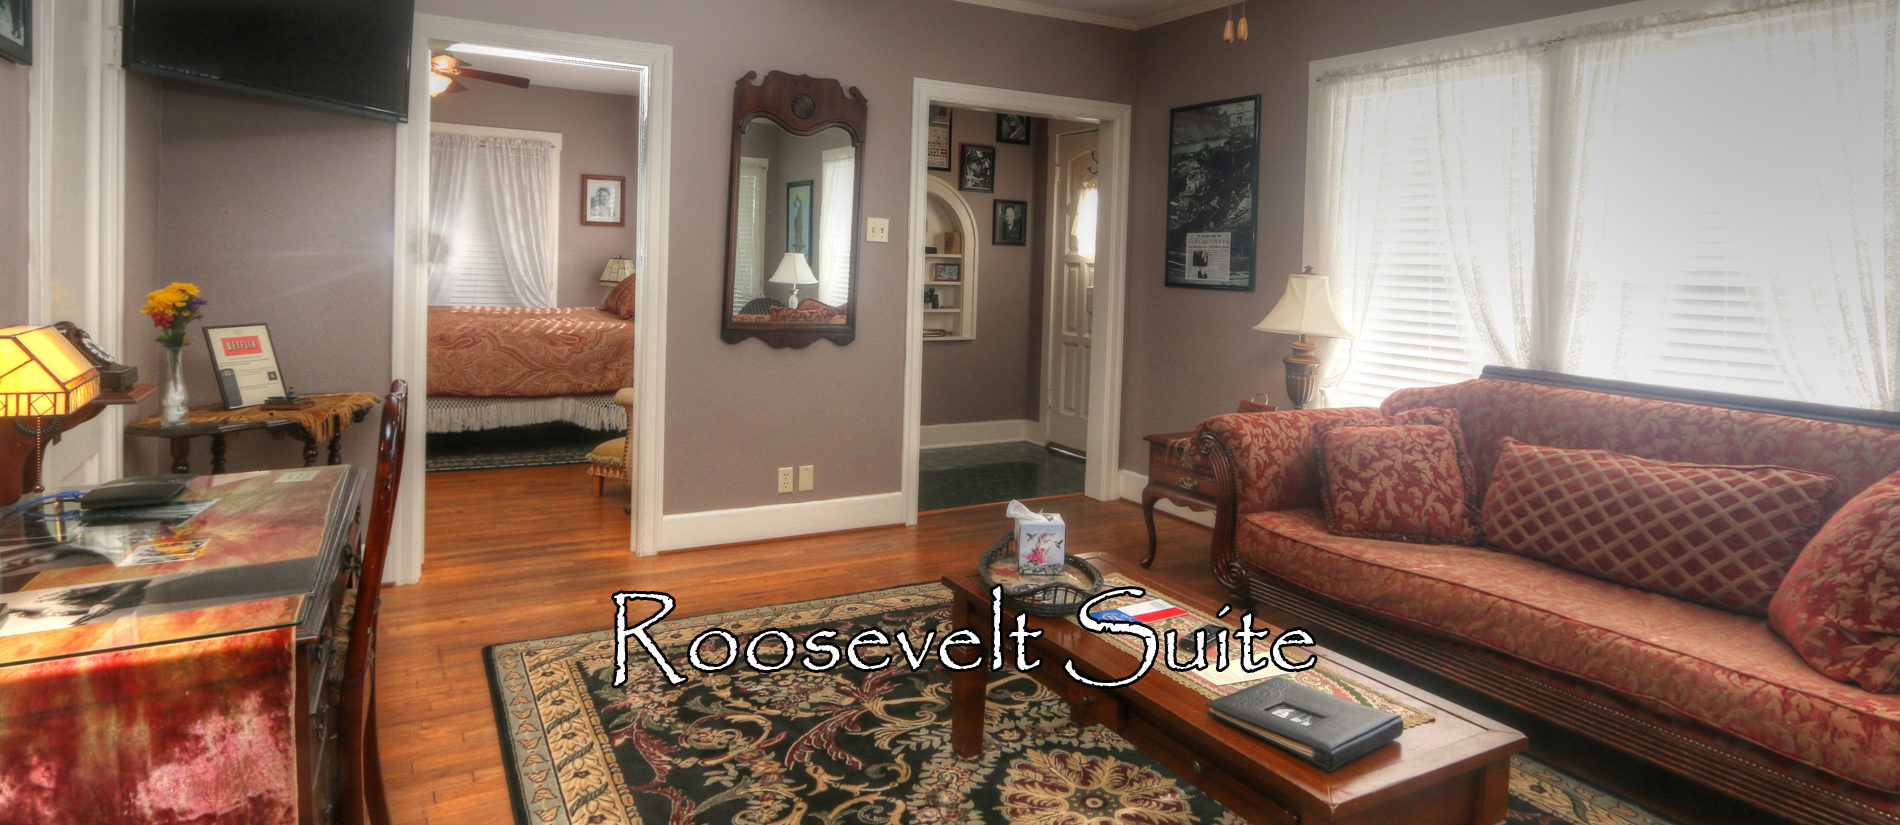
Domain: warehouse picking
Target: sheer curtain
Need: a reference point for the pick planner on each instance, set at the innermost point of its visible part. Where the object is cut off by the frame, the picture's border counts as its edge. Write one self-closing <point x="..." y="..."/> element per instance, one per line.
<point x="748" y="277"/>
<point x="490" y="219"/>
<point x="451" y="159"/>
<point x="837" y="186"/>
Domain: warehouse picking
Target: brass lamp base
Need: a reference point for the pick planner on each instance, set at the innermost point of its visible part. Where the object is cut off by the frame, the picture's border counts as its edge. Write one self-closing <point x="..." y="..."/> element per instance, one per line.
<point x="1302" y="373"/>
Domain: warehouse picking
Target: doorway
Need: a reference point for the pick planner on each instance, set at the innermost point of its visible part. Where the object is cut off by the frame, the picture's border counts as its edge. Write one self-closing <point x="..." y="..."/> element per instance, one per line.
<point x="1067" y="336"/>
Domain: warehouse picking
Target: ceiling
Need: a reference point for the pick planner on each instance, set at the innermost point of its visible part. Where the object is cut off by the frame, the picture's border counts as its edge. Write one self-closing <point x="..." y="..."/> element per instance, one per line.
<point x="1121" y="14"/>
<point x="555" y="75"/>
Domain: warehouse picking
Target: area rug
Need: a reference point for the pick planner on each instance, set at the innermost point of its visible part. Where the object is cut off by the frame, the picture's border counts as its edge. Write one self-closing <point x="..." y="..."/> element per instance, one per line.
<point x="797" y="746"/>
<point x="541" y="445"/>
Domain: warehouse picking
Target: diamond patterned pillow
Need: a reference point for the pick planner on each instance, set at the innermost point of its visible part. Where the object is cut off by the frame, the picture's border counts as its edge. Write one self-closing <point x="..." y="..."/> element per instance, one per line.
<point x="1840" y="605"/>
<point x="1396" y="481"/>
<point x="1714" y="534"/>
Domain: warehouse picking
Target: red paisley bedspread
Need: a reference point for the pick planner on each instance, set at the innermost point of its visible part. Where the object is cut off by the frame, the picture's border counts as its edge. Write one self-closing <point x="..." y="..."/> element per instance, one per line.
<point x="528" y="353"/>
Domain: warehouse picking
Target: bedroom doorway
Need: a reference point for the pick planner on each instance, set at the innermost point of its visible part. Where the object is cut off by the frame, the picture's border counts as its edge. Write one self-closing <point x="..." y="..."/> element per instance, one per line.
<point x="532" y="188"/>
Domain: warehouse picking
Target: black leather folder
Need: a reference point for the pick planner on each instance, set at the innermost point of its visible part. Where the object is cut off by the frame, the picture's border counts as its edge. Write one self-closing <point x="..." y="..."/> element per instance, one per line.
<point x="1322" y="729"/>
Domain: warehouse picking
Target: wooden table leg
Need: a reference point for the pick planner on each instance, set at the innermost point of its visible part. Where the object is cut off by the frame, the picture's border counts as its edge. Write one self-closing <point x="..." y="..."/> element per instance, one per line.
<point x="181" y="454"/>
<point x="969" y="690"/>
<point x="310" y="451"/>
<point x="1494" y="790"/>
<point x="1148" y="515"/>
<point x="336" y="449"/>
<point x="217" y="454"/>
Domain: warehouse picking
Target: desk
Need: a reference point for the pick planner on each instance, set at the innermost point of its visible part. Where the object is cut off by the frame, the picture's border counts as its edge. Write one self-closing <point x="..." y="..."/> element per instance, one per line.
<point x="187" y="688"/>
<point x="323" y="421"/>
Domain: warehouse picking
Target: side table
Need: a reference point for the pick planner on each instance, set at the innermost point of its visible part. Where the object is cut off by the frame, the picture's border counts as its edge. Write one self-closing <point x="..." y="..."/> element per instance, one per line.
<point x="1175" y="475"/>
<point x="332" y="413"/>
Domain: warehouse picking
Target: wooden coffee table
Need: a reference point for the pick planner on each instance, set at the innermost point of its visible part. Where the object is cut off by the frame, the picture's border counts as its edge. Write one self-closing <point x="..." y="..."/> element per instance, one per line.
<point x="1455" y="769"/>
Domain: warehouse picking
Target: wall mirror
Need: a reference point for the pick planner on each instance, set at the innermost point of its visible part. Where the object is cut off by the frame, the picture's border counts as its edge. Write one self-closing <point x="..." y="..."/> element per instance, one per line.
<point x="792" y="221"/>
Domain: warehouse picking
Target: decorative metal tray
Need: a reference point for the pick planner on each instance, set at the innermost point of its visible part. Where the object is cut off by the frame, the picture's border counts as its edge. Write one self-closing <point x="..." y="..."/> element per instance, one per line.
<point x="1056" y="595"/>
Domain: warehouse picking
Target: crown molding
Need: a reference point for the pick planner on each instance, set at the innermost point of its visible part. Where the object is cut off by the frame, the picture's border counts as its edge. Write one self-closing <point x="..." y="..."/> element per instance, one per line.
<point x="1044" y="10"/>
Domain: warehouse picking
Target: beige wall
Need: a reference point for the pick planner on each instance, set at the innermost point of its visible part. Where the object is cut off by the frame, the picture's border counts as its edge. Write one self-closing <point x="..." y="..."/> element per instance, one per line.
<point x="13" y="143"/>
<point x="1191" y="353"/>
<point x="600" y="135"/>
<point x="994" y="377"/>
<point x="144" y="139"/>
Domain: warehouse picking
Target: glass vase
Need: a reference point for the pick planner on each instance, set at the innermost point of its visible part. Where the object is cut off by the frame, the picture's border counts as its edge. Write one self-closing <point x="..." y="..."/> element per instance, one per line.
<point x="172" y="401"/>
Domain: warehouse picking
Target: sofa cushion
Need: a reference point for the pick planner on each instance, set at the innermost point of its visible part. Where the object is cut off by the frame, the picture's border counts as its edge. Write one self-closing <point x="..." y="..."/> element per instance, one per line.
<point x="620" y="300"/>
<point x="1718" y="668"/>
<point x="1719" y="535"/>
<point x="1840" y="605"/>
<point x="1399" y="481"/>
<point x="1276" y="454"/>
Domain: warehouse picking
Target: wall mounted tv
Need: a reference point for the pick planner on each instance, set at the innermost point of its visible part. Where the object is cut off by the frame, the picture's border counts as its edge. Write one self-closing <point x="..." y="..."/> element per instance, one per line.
<point x="348" y="55"/>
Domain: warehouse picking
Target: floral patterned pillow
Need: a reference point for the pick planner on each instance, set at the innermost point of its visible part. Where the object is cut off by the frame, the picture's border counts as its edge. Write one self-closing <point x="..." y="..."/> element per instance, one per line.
<point x="1402" y="478"/>
<point x="620" y="300"/>
<point x="1840" y="603"/>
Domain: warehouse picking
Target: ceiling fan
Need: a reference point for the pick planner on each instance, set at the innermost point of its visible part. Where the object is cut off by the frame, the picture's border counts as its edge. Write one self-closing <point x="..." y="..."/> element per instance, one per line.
<point x="446" y="69"/>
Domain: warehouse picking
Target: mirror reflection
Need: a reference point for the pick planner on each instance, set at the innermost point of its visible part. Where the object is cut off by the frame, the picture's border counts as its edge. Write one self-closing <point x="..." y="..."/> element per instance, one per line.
<point x="794" y="226"/>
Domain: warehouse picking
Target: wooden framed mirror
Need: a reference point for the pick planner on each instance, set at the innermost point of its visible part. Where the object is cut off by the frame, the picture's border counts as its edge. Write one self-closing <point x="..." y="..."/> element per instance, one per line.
<point x="792" y="218"/>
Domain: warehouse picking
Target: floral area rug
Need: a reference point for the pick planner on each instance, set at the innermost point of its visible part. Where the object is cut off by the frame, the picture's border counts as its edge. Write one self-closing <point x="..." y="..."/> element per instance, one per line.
<point x="794" y="746"/>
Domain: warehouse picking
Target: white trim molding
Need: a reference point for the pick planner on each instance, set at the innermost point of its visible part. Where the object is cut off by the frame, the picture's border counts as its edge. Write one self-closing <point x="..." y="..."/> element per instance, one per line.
<point x="1109" y="307"/>
<point x="973" y="433"/>
<point x="777" y="521"/>
<point x="1132" y="485"/>
<point x="409" y="321"/>
<point x="1111" y="21"/>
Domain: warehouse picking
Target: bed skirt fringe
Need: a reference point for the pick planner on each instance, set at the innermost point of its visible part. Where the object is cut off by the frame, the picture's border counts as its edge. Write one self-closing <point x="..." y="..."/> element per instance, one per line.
<point x="453" y="414"/>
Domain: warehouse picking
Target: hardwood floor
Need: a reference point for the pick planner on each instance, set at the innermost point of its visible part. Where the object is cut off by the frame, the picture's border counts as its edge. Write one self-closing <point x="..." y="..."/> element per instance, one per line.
<point x="529" y="553"/>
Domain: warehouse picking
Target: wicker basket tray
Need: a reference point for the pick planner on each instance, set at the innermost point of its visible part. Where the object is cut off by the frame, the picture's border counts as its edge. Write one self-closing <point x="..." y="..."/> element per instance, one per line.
<point x="1057" y="595"/>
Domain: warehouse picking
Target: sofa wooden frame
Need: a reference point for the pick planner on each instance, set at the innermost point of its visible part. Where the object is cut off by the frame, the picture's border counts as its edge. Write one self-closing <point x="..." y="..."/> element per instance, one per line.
<point x="1714" y="758"/>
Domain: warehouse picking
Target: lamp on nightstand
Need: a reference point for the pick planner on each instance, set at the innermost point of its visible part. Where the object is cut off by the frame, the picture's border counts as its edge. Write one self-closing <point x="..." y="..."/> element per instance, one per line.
<point x="618" y="269"/>
<point x="42" y="376"/>
<point x="1306" y="309"/>
<point x="795" y="270"/>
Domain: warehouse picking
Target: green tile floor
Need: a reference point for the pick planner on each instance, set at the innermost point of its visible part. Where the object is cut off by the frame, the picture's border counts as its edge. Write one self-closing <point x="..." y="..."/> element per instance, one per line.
<point x="994" y="473"/>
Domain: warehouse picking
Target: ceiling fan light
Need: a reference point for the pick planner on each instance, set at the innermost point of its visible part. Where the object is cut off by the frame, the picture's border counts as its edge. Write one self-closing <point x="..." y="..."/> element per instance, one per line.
<point x="1227" y="32"/>
<point x="438" y="84"/>
<point x="1240" y="29"/>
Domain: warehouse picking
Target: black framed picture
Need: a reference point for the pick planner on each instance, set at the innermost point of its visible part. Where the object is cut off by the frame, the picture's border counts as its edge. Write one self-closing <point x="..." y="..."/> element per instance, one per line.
<point x="16" y="30"/>
<point x="798" y="218"/>
<point x="1012" y="129"/>
<point x="245" y="364"/>
<point x="1011" y="219"/>
<point x="1213" y="194"/>
<point x="979" y="168"/>
<point x="937" y="148"/>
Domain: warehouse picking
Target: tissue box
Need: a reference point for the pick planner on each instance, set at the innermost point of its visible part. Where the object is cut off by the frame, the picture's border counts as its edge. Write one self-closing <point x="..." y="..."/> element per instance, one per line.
<point x="1040" y="545"/>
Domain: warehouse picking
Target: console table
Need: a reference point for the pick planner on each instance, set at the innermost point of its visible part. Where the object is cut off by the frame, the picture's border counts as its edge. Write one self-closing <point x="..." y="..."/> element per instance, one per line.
<point x="1175" y="475"/>
<point x="323" y="421"/>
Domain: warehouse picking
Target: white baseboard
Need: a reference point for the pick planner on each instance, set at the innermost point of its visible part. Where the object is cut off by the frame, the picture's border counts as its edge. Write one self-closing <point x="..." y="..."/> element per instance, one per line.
<point x="777" y="521"/>
<point x="1131" y="487"/>
<point x="972" y="433"/>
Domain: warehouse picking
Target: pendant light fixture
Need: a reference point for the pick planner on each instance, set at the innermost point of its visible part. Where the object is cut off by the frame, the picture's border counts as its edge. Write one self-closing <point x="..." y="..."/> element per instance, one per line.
<point x="1235" y="30"/>
<point x="1227" y="32"/>
<point x="1240" y="31"/>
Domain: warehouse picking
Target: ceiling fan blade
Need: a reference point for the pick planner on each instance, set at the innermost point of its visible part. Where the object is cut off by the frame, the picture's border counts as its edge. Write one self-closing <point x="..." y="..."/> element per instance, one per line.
<point x="494" y="77"/>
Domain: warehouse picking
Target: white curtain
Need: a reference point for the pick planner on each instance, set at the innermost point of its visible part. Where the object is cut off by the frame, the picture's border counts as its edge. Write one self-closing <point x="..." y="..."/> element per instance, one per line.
<point x="451" y="160"/>
<point x="837" y="187"/>
<point x="493" y="193"/>
<point x="748" y="281"/>
<point x="519" y="173"/>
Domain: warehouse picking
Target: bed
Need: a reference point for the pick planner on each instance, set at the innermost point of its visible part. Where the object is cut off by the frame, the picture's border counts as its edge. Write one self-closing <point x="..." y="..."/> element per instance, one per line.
<point x="492" y="367"/>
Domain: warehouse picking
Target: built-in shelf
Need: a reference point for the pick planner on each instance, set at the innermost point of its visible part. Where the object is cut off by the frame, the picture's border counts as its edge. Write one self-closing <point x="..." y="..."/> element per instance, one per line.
<point x="946" y="211"/>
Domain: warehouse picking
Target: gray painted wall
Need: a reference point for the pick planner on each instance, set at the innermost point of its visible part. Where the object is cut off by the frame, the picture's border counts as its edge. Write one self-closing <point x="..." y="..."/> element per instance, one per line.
<point x="13" y="170"/>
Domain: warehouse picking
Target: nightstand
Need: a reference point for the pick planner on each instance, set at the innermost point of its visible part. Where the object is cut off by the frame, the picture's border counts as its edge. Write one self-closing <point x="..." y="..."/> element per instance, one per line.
<point x="1176" y="474"/>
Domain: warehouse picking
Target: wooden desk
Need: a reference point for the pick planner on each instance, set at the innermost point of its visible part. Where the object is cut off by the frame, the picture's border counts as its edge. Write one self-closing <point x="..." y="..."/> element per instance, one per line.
<point x="1176" y="475"/>
<point x="196" y="684"/>
<point x="216" y="422"/>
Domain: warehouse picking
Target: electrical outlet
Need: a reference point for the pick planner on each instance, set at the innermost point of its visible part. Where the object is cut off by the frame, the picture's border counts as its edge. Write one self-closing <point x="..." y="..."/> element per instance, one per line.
<point x="784" y="479"/>
<point x="805" y="477"/>
<point x="877" y="230"/>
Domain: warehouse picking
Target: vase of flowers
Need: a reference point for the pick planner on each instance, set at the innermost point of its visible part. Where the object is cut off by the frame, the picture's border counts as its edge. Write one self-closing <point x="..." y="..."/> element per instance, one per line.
<point x="172" y="309"/>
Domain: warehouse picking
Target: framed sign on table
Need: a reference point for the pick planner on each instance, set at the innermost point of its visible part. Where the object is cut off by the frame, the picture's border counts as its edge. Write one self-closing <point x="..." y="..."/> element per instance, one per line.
<point x="245" y="363"/>
<point x="1213" y="194"/>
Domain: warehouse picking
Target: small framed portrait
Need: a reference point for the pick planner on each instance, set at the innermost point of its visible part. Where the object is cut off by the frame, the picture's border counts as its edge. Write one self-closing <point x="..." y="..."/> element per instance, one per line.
<point x="1012" y="129"/>
<point x="1011" y="218"/>
<point x="16" y="30"/>
<point x="937" y="150"/>
<point x="603" y="200"/>
<point x="979" y="168"/>
<point x="798" y="218"/>
<point x="946" y="271"/>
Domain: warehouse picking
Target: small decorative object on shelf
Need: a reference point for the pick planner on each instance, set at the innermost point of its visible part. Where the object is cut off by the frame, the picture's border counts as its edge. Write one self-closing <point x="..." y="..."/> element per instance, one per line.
<point x="1057" y="595"/>
<point x="172" y="309"/>
<point x="290" y="400"/>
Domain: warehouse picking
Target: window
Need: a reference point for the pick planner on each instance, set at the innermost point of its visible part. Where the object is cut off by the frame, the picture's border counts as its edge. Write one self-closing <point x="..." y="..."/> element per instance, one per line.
<point x="837" y="186"/>
<point x="748" y="277"/>
<point x="1704" y="203"/>
<point x="493" y="232"/>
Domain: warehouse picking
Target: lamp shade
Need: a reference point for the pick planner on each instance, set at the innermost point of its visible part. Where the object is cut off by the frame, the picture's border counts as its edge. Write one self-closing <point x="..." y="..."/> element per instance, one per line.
<point x="43" y="374"/>
<point x="618" y="269"/>
<point x="793" y="269"/>
<point x="1305" y="309"/>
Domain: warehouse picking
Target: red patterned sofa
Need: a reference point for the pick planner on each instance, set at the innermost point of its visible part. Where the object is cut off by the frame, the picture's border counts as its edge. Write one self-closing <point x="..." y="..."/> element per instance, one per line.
<point x="1714" y="695"/>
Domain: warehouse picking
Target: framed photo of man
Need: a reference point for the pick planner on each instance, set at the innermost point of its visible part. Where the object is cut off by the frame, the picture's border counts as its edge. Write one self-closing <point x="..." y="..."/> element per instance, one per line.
<point x="1012" y="129"/>
<point x="603" y="200"/>
<point x="979" y="168"/>
<point x="1011" y="219"/>
<point x="245" y="364"/>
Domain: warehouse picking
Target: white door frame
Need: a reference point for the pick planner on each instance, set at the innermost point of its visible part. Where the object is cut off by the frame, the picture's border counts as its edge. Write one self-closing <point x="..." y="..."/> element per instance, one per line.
<point x="1105" y="362"/>
<point x="409" y="324"/>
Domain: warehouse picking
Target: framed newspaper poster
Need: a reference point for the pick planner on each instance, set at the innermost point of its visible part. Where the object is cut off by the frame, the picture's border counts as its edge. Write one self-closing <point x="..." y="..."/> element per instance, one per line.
<point x="1213" y="193"/>
<point x="245" y="363"/>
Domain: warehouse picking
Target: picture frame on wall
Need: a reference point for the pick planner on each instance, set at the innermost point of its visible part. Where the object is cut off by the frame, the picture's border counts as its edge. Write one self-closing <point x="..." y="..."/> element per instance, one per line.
<point x="937" y="150"/>
<point x="946" y="271"/>
<point x="16" y="30"/>
<point x="245" y="364"/>
<point x="939" y="115"/>
<point x="1010" y="223"/>
<point x="1213" y="194"/>
<point x="1012" y="129"/>
<point x="799" y="218"/>
<point x="979" y="168"/>
<point x="603" y="200"/>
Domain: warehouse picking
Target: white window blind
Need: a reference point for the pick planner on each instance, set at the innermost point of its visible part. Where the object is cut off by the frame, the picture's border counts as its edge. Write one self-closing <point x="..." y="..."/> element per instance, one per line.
<point x="478" y="277"/>
<point x="748" y="281"/>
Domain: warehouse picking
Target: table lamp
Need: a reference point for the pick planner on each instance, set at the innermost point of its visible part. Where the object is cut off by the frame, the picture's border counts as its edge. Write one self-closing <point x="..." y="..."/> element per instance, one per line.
<point x="618" y="269"/>
<point x="42" y="376"/>
<point x="1306" y="309"/>
<point x="795" y="270"/>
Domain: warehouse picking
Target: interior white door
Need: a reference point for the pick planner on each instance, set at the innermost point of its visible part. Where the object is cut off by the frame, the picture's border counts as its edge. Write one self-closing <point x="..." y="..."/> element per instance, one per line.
<point x="1068" y="321"/>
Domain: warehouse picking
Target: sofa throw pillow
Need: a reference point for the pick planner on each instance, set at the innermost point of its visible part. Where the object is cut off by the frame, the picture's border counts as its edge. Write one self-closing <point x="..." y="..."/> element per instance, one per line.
<point x="1840" y="604"/>
<point x="1398" y="480"/>
<point x="620" y="300"/>
<point x="1715" y="534"/>
<point x="808" y="312"/>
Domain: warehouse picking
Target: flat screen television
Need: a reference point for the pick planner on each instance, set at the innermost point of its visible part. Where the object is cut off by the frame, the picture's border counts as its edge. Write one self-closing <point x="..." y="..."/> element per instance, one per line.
<point x="348" y="55"/>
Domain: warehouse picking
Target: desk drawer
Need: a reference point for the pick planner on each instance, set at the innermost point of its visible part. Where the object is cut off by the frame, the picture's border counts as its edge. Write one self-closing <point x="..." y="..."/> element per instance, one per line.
<point x="1180" y="479"/>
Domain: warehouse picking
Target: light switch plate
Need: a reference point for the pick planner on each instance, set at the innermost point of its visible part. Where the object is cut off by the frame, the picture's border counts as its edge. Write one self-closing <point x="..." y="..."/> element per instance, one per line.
<point x="805" y="481"/>
<point x="877" y="230"/>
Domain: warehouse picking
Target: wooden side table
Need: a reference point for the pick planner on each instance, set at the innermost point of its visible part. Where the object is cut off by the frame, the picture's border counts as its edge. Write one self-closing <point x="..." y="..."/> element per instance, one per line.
<point x="216" y="424"/>
<point x="1175" y="475"/>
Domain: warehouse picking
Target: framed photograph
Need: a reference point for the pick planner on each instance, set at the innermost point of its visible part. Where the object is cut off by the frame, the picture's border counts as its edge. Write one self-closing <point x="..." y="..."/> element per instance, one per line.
<point x="979" y="168"/>
<point x="939" y="115"/>
<point x="245" y="364"/>
<point x="937" y="150"/>
<point x="16" y="30"/>
<point x="1213" y="189"/>
<point x="1012" y="129"/>
<point x="603" y="200"/>
<point x="1010" y="221"/>
<point x="798" y="218"/>
<point x="946" y="271"/>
